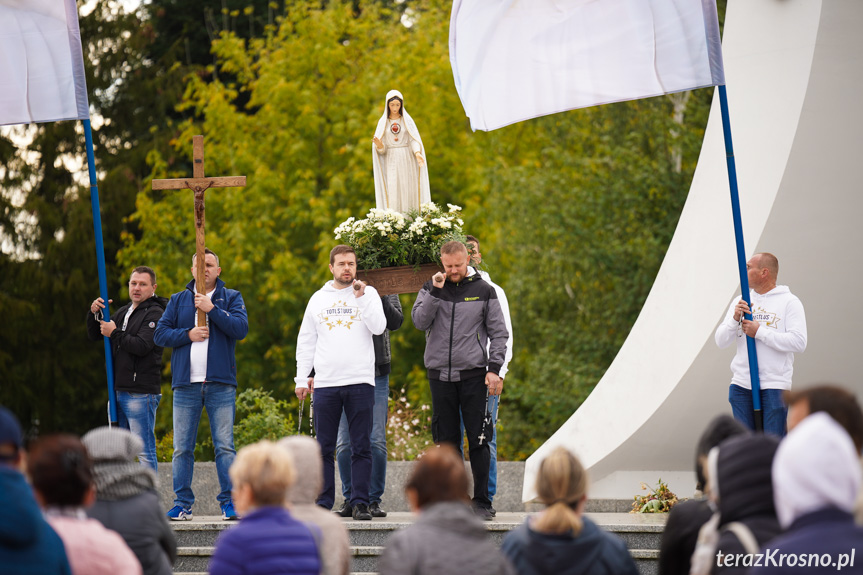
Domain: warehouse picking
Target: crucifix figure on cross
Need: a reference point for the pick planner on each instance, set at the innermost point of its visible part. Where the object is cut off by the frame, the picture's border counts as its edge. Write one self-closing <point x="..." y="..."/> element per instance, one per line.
<point x="199" y="184"/>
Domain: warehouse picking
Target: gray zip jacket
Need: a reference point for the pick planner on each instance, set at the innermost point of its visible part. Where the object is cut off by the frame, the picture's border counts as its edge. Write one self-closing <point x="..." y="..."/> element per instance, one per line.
<point x="460" y="319"/>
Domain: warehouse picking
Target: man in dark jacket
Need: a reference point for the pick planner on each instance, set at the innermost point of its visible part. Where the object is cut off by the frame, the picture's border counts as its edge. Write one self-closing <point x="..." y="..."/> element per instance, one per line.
<point x="204" y="373"/>
<point x="137" y="359"/>
<point x="460" y="314"/>
<point x="383" y="357"/>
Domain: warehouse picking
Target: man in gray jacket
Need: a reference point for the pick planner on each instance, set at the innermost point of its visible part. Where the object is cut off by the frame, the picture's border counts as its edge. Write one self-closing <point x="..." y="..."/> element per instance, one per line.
<point x="461" y="314"/>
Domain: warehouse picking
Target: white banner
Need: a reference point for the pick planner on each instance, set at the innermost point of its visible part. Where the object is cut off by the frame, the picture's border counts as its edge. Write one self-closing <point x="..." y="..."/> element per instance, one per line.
<point x="518" y="59"/>
<point x="41" y="63"/>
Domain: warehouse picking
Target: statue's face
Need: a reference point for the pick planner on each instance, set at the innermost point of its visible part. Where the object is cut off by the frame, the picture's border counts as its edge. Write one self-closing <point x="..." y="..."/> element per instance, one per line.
<point x="395" y="107"/>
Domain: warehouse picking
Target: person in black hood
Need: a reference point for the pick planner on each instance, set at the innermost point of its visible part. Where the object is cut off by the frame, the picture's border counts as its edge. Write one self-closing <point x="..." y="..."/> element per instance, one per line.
<point x="137" y="359"/>
<point x="740" y="485"/>
<point x="560" y="540"/>
<point x="687" y="517"/>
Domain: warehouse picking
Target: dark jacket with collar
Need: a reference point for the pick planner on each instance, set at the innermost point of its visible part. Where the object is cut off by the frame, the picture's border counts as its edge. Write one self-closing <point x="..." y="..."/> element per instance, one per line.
<point x="592" y="552"/>
<point x="137" y="358"/>
<point x="228" y="323"/>
<point x="459" y="320"/>
<point x="395" y="317"/>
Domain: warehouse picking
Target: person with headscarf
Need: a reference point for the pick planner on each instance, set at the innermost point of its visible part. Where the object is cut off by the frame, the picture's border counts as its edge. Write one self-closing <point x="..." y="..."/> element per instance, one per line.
<point x="561" y="540"/>
<point x="399" y="159"/>
<point x="816" y="479"/>
<point x="126" y="498"/>
<point x="335" y="545"/>
<point x="687" y="517"/>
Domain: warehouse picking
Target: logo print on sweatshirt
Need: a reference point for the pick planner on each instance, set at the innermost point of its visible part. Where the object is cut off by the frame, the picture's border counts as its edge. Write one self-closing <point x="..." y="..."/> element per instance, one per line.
<point x="340" y="314"/>
<point x="765" y="317"/>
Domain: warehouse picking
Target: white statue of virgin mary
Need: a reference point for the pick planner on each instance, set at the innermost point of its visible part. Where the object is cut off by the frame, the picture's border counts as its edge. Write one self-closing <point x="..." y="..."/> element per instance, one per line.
<point x="399" y="160"/>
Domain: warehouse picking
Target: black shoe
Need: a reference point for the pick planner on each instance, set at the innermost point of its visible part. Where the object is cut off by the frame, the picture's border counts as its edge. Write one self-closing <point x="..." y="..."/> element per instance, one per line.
<point x="345" y="510"/>
<point x="376" y="511"/>
<point x="361" y="512"/>
<point x="493" y="511"/>
<point x="483" y="513"/>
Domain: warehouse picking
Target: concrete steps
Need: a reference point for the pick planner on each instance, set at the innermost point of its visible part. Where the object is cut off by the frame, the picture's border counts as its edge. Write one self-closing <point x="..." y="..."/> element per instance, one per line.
<point x="196" y="539"/>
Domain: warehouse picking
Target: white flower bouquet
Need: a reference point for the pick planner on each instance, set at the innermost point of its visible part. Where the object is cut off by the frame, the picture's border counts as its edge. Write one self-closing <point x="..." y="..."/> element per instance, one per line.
<point x="386" y="238"/>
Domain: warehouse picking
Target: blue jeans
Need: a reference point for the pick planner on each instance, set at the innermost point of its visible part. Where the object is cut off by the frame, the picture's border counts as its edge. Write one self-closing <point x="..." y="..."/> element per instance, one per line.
<point x="357" y="402"/>
<point x="220" y="400"/>
<point x="378" y="480"/>
<point x="773" y="409"/>
<point x="493" y="401"/>
<point x="137" y="413"/>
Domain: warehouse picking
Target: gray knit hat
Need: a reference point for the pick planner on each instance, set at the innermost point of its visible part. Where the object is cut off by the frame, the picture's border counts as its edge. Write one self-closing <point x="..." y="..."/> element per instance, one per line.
<point x="117" y="475"/>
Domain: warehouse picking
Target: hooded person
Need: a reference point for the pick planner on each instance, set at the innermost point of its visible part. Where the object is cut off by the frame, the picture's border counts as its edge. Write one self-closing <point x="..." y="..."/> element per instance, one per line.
<point x="398" y="159"/>
<point x="687" y="517"/>
<point x="816" y="479"/>
<point x="27" y="543"/>
<point x="126" y="498"/>
<point x="335" y="545"/>
<point x="446" y="537"/>
<point x="740" y="487"/>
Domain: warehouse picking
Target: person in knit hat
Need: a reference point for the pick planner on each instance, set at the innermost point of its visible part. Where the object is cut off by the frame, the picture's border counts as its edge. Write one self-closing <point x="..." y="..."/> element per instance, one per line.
<point x="335" y="545"/>
<point x="126" y="498"/>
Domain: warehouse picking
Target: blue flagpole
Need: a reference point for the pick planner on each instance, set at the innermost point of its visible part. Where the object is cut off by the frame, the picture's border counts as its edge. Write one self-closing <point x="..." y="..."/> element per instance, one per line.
<point x="100" y="263"/>
<point x="741" y="256"/>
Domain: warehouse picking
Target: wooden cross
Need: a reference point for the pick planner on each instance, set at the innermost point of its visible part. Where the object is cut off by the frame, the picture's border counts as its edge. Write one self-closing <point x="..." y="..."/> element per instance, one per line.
<point x="199" y="184"/>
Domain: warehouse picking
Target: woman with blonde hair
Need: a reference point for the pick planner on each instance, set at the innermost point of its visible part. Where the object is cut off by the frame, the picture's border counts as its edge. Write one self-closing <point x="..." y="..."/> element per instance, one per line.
<point x="560" y="539"/>
<point x="268" y="539"/>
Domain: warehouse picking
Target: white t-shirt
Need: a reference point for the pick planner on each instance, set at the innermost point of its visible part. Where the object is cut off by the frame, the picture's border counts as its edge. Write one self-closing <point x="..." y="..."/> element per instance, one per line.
<point x="198" y="354"/>
<point x="128" y="315"/>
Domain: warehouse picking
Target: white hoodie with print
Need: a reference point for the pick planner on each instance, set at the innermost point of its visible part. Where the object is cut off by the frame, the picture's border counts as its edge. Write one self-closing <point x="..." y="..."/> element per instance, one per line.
<point x="336" y="337"/>
<point x="781" y="334"/>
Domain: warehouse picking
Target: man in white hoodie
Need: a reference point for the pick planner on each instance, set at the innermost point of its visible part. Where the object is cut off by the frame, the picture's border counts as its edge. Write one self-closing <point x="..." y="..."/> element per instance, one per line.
<point x="778" y="326"/>
<point x="335" y="341"/>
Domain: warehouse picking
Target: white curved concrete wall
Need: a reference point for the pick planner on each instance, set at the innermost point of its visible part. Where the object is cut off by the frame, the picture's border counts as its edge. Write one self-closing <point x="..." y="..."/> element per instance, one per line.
<point x="794" y="71"/>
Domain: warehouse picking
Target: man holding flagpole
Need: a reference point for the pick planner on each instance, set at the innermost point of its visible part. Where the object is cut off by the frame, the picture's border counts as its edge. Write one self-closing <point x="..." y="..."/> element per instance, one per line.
<point x="778" y="326"/>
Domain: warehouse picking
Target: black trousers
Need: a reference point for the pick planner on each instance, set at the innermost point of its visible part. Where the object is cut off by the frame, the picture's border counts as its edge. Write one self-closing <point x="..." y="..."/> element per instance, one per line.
<point x="469" y="396"/>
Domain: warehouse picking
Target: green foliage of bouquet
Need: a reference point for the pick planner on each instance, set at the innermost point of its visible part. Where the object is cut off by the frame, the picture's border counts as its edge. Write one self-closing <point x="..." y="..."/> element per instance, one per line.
<point x="386" y="238"/>
<point x="408" y="434"/>
<point x="659" y="500"/>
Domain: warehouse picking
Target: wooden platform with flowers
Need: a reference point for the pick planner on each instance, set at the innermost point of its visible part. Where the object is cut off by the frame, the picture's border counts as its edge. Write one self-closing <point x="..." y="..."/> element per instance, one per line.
<point x="397" y="253"/>
<point x="401" y="279"/>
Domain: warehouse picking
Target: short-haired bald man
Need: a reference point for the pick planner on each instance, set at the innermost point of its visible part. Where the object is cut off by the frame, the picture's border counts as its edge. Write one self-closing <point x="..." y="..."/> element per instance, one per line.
<point x="778" y="326"/>
<point x="460" y="315"/>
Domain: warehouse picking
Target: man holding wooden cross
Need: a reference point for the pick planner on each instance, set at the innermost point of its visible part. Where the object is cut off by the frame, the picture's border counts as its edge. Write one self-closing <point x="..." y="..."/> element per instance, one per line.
<point x="204" y="373"/>
<point x="202" y="324"/>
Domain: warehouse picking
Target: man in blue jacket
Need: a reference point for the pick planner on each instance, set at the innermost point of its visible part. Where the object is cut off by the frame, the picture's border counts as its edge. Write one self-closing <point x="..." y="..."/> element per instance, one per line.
<point x="204" y="374"/>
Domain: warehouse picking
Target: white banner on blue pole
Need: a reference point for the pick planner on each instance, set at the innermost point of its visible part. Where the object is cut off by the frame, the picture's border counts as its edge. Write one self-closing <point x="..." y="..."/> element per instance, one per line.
<point x="41" y="63"/>
<point x="518" y="59"/>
